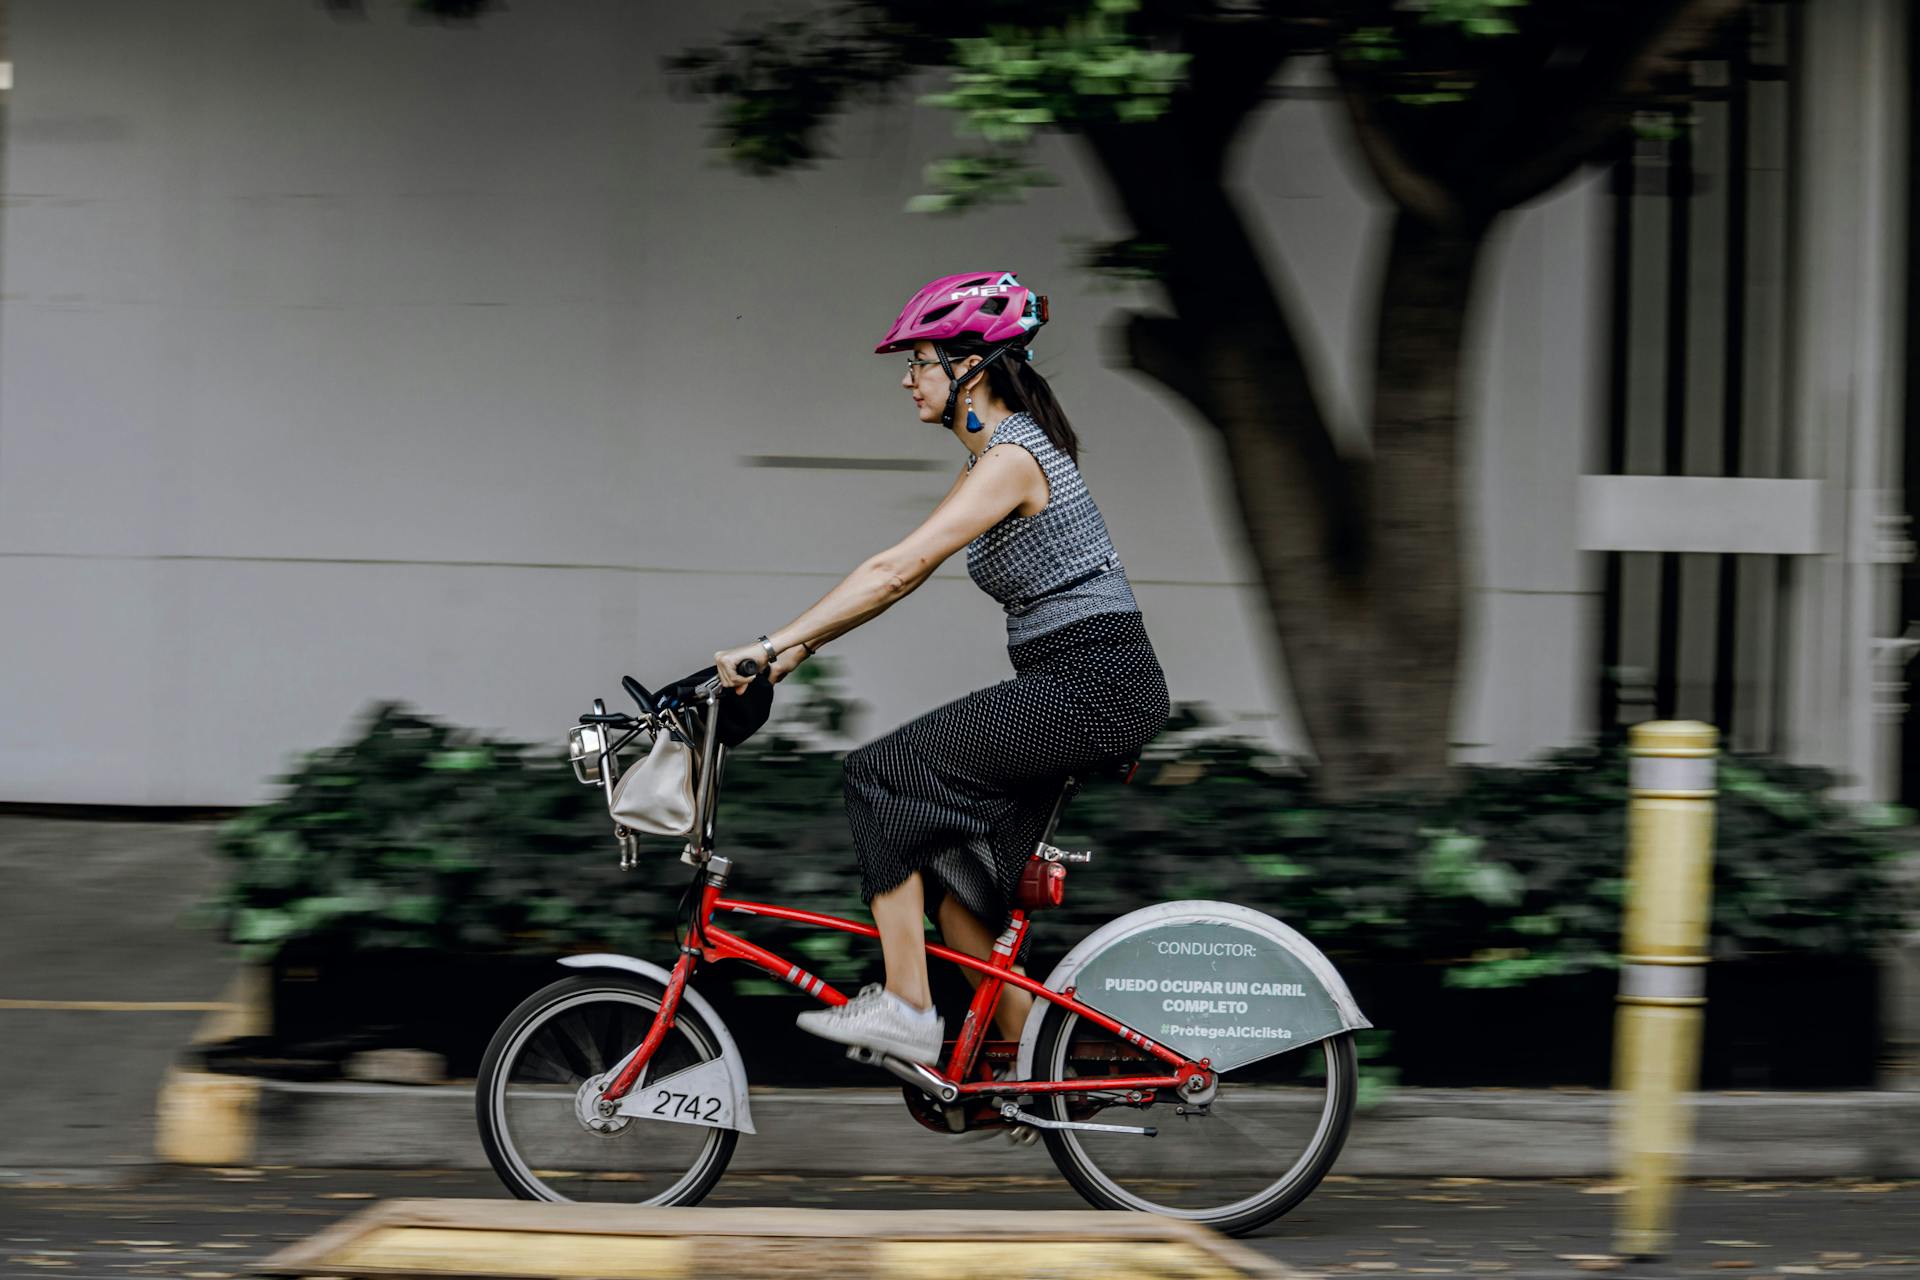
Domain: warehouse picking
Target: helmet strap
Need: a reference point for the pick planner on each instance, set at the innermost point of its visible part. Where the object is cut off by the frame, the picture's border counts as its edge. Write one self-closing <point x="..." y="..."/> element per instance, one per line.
<point x="955" y="386"/>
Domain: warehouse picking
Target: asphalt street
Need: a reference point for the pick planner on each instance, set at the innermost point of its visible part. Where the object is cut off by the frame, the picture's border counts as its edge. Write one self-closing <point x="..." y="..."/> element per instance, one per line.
<point x="216" y="1224"/>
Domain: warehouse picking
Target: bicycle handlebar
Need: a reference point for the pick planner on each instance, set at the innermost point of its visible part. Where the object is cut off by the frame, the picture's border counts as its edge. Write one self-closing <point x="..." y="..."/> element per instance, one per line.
<point x="638" y="692"/>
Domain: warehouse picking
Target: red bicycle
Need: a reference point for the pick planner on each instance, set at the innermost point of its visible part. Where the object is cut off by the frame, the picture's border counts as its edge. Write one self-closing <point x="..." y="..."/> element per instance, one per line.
<point x="1193" y="1059"/>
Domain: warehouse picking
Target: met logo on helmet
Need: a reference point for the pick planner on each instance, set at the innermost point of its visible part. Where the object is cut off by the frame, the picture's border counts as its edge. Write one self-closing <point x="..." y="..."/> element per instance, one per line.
<point x="982" y="291"/>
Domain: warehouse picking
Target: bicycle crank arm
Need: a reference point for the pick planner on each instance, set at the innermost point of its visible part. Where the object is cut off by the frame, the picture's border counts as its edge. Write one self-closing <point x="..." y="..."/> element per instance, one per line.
<point x="928" y="1081"/>
<point x="1013" y="1113"/>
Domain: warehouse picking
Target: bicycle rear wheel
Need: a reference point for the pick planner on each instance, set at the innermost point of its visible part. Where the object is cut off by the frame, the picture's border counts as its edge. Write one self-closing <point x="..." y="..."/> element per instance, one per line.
<point x="530" y="1080"/>
<point x="1270" y="1133"/>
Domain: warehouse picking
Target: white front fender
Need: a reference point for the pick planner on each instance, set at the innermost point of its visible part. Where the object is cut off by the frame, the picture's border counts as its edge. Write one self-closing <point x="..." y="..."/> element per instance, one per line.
<point x="729" y="1052"/>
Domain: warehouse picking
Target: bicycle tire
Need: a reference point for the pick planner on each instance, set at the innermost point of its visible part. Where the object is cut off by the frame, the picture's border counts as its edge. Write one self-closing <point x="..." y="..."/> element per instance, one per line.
<point x="1076" y="1159"/>
<point x="691" y="1038"/>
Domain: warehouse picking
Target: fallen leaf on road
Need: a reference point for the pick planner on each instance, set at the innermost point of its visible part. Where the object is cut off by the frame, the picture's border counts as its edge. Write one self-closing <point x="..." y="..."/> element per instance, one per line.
<point x="1839" y="1257"/>
<point x="1740" y="1244"/>
<point x="349" y="1195"/>
<point x="1374" y="1266"/>
<point x="1798" y="1271"/>
<point x="1606" y="1189"/>
<point x="43" y="1262"/>
<point x="1729" y="1264"/>
<point x="1590" y="1261"/>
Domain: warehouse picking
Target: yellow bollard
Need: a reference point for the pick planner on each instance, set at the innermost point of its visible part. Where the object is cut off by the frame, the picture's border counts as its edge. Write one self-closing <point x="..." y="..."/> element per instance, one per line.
<point x="1663" y="975"/>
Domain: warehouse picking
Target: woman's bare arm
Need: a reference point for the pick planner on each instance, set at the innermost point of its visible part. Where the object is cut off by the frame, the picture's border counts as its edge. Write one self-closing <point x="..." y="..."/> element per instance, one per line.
<point x="999" y="483"/>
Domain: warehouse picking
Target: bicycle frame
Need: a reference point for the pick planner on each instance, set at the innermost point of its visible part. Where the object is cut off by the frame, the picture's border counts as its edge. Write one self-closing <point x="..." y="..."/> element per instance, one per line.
<point x="711" y="943"/>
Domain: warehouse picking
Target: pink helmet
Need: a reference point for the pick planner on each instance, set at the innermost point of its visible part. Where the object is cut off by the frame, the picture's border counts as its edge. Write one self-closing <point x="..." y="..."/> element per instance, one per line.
<point x="990" y="305"/>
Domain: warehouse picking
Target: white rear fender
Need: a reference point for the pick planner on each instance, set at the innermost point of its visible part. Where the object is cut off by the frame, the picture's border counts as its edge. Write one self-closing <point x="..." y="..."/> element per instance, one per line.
<point x="1208" y="979"/>
<point x="736" y="1071"/>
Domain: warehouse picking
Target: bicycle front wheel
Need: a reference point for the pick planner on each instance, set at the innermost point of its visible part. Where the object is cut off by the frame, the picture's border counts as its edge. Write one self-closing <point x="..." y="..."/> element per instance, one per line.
<point x="1258" y="1148"/>
<point x="527" y="1098"/>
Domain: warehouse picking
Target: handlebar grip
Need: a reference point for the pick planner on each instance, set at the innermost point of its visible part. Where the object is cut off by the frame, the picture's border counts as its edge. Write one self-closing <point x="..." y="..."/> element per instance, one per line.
<point x="747" y="667"/>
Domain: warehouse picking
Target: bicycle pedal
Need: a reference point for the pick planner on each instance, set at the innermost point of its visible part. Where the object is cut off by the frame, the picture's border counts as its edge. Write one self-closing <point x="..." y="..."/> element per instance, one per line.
<point x="925" y="1079"/>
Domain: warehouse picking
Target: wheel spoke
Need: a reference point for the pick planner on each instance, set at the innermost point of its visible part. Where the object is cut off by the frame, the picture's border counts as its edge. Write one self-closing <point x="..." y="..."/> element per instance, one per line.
<point x="1255" y="1151"/>
<point x="536" y="1136"/>
<point x="537" y="1066"/>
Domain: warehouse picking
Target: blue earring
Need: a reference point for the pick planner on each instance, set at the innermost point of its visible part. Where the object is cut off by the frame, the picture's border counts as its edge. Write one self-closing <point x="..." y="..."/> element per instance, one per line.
<point x="974" y="424"/>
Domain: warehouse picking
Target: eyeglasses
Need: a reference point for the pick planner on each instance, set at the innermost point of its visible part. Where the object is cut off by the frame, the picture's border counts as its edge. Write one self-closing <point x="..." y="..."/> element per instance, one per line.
<point x="914" y="366"/>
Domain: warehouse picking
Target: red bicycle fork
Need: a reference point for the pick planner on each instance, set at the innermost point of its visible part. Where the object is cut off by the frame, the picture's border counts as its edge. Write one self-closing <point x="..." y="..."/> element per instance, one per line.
<point x="996" y="973"/>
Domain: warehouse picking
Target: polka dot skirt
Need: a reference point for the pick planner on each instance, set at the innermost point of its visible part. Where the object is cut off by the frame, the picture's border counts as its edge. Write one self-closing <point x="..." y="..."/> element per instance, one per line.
<point x="962" y="794"/>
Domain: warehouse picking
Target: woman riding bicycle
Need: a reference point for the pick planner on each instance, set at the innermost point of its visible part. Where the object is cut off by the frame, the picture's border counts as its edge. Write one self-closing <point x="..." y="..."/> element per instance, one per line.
<point x="947" y="809"/>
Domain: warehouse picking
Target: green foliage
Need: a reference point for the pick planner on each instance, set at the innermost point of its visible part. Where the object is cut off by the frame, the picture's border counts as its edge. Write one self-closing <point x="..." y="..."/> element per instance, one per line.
<point x="420" y="835"/>
<point x="1011" y="83"/>
<point x="1478" y="18"/>
<point x="1132" y="260"/>
<point x="416" y="834"/>
<point x="1435" y="49"/>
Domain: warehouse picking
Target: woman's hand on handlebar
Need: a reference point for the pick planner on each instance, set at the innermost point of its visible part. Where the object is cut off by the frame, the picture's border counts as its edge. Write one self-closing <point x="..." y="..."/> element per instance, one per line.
<point x="727" y="664"/>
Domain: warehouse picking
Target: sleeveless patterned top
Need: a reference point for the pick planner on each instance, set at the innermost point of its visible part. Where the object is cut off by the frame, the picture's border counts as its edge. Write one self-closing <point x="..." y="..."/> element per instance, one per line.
<point x="1055" y="567"/>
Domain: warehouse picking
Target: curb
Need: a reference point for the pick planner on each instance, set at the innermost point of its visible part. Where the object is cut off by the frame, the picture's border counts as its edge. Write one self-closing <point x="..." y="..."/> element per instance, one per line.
<point x="203" y="1118"/>
<point x="1488" y="1133"/>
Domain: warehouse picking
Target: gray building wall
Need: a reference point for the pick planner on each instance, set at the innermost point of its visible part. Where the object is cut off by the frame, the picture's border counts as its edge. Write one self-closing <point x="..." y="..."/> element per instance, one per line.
<point x="354" y="360"/>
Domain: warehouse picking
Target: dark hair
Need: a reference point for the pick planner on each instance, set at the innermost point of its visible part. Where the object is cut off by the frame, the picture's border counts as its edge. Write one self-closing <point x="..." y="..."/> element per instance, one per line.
<point x="1019" y="386"/>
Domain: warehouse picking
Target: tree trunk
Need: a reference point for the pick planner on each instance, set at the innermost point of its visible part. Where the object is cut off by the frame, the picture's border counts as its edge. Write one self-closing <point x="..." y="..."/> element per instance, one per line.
<point x="1416" y="584"/>
<point x="1229" y="351"/>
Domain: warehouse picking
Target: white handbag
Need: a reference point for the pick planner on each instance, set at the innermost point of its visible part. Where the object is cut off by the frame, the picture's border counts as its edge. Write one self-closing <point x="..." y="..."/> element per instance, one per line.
<point x="655" y="795"/>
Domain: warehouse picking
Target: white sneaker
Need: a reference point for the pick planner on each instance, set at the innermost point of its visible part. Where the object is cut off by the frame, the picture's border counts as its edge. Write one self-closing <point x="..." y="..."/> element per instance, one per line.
<point x="879" y="1020"/>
